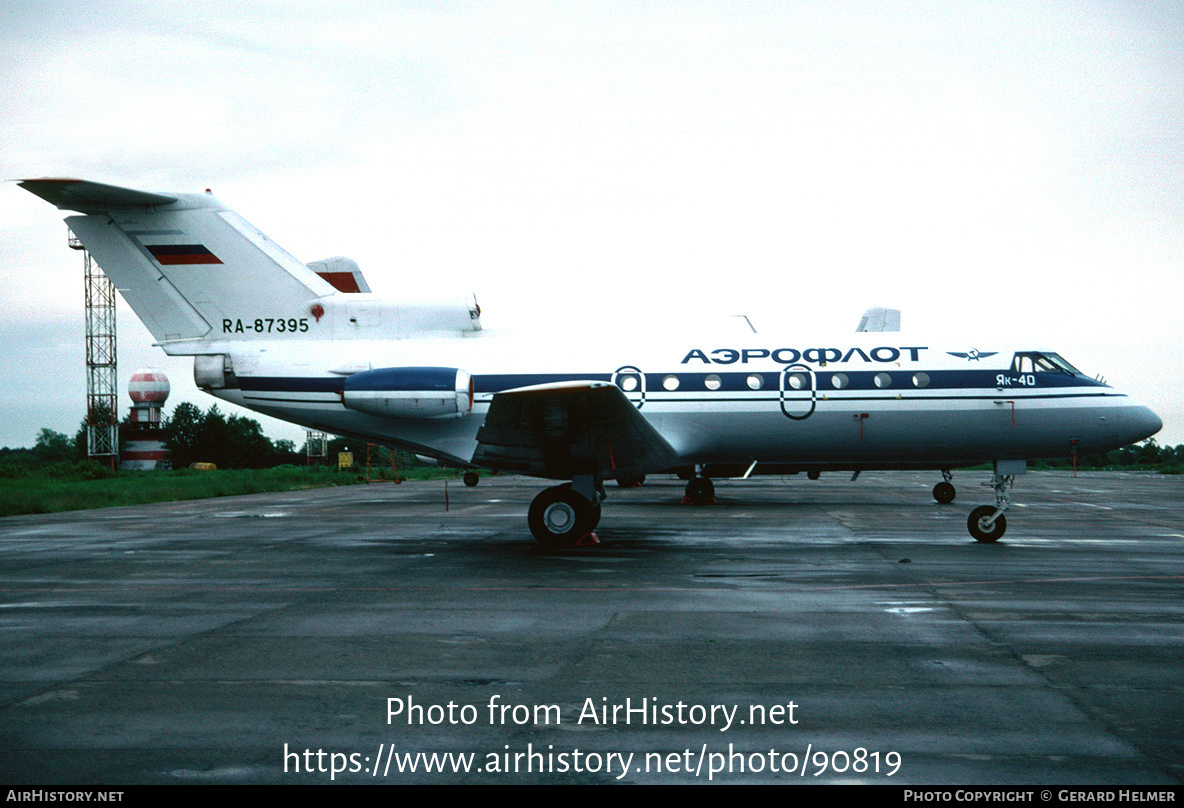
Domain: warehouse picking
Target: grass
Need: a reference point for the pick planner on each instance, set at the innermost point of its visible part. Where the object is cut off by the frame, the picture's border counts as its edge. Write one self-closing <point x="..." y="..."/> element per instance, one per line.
<point x="80" y="486"/>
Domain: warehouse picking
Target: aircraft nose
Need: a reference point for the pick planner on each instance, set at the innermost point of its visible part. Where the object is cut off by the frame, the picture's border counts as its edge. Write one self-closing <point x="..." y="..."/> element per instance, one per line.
<point x="1139" y="423"/>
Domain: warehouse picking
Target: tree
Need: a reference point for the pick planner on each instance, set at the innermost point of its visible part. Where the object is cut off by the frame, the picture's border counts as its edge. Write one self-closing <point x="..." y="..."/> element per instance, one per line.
<point x="231" y="443"/>
<point x="81" y="442"/>
<point x="182" y="434"/>
<point x="247" y="446"/>
<point x="52" y="447"/>
<point x="214" y="438"/>
<point x="1149" y="452"/>
<point x="98" y="416"/>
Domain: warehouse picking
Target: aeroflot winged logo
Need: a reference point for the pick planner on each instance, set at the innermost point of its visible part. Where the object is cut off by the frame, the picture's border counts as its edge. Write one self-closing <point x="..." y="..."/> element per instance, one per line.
<point x="972" y="355"/>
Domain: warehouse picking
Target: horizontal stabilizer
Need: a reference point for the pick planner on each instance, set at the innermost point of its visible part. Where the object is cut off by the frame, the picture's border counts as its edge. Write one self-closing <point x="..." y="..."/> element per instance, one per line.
<point x="564" y="430"/>
<point x="343" y="273"/>
<point x="92" y="197"/>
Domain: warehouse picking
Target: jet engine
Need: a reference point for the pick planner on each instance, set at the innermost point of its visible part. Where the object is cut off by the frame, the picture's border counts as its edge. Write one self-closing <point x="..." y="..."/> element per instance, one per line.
<point x="410" y="392"/>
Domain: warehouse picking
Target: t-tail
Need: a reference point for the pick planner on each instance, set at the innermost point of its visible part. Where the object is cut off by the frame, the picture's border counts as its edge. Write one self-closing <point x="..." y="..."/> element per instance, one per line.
<point x="196" y="272"/>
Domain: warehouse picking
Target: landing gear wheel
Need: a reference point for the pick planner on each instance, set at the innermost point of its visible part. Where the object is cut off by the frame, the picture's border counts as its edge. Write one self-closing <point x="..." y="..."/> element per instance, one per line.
<point x="559" y="517"/>
<point x="813" y="475"/>
<point x="471" y="478"/>
<point x="944" y="492"/>
<point x="987" y="535"/>
<point x="700" y="490"/>
<point x="594" y="515"/>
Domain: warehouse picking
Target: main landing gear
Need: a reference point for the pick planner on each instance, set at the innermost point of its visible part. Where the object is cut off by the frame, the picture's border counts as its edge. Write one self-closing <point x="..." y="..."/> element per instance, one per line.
<point x="565" y="515"/>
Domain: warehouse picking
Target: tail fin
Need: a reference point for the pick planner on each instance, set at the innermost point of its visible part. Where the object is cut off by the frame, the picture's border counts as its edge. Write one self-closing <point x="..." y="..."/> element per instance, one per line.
<point x="186" y="264"/>
<point x="879" y="319"/>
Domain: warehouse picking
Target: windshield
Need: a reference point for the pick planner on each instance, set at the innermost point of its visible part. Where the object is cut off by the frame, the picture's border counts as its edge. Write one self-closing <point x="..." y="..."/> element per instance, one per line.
<point x="1042" y="362"/>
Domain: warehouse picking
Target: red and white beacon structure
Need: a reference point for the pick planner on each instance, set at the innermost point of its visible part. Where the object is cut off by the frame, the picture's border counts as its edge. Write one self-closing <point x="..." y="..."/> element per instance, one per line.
<point x="143" y="439"/>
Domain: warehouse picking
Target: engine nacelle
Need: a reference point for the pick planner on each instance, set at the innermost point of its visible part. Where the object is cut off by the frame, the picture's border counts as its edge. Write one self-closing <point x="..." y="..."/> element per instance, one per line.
<point x="213" y="371"/>
<point x="410" y="392"/>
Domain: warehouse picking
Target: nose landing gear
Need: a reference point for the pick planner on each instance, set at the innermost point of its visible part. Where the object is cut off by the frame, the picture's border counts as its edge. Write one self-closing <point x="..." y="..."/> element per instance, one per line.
<point x="944" y="492"/>
<point x="700" y="491"/>
<point x="986" y="522"/>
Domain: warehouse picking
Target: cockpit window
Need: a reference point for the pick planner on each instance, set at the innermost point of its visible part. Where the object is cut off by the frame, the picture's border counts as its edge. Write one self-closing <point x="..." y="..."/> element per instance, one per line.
<point x="1042" y="362"/>
<point x="1060" y="362"/>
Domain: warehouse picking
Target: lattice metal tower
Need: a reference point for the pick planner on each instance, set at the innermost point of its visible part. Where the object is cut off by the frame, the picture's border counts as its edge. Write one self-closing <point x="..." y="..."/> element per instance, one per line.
<point x="102" y="418"/>
<point x="316" y="447"/>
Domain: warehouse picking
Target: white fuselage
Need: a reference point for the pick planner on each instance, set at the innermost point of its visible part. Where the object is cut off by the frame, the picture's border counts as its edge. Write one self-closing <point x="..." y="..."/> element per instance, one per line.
<point x="848" y="401"/>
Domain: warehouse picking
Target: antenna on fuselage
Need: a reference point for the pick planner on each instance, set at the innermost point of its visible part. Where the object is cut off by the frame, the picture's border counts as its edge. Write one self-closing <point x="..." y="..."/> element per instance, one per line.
<point x="745" y="318"/>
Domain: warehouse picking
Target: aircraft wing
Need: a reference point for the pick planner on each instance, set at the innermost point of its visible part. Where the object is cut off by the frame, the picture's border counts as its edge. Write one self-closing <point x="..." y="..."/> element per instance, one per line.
<point x="567" y="429"/>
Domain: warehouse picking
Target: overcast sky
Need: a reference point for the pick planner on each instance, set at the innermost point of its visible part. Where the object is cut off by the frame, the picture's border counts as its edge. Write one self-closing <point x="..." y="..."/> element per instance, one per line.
<point x="1002" y="172"/>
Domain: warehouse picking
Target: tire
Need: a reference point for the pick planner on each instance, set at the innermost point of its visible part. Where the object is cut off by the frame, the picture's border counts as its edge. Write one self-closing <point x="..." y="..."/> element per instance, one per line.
<point x="594" y="517"/>
<point x="944" y="492"/>
<point x="559" y="517"/>
<point x="985" y="535"/>
<point x="700" y="490"/>
<point x="471" y="478"/>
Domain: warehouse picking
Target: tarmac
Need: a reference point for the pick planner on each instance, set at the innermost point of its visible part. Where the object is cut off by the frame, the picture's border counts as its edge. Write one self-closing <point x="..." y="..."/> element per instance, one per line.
<point x="797" y="631"/>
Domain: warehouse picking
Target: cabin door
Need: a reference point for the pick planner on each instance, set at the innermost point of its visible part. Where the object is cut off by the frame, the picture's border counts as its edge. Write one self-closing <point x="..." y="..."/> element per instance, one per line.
<point x="799" y="392"/>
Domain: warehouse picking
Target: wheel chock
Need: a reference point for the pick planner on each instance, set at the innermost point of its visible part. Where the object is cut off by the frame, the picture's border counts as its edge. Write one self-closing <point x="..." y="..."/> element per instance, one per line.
<point x="588" y="540"/>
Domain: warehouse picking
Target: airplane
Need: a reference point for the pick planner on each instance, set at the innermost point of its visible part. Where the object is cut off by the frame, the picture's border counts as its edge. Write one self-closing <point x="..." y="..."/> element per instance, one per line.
<point x="310" y="344"/>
